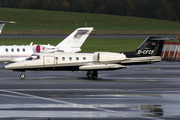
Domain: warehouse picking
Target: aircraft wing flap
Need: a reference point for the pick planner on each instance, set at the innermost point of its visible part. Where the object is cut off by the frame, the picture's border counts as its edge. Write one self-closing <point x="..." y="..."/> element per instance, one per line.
<point x="101" y="67"/>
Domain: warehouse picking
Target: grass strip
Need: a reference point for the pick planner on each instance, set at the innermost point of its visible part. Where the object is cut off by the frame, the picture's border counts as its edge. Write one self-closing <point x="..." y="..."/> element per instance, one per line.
<point x="90" y="45"/>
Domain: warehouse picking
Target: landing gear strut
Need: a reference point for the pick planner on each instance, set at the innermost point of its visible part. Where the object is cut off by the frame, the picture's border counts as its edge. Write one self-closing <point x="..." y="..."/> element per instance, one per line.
<point x="92" y="74"/>
<point x="22" y="76"/>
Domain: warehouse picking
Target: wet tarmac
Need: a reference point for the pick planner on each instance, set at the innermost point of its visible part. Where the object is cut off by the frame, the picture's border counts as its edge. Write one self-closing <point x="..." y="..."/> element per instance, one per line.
<point x="141" y="92"/>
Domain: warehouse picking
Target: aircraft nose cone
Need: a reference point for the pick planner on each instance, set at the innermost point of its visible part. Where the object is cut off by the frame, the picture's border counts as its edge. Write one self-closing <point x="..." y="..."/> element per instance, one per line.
<point x="9" y="67"/>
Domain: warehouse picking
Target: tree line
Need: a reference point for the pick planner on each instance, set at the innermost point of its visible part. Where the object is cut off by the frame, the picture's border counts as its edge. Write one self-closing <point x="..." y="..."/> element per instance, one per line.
<point x="158" y="9"/>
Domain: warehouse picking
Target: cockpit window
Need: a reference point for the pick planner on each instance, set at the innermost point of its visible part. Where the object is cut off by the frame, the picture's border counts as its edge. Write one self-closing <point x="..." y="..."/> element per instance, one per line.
<point x="33" y="57"/>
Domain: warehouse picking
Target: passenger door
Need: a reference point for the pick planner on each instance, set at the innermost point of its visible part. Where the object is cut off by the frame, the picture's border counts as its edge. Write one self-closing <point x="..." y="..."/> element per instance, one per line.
<point x="48" y="62"/>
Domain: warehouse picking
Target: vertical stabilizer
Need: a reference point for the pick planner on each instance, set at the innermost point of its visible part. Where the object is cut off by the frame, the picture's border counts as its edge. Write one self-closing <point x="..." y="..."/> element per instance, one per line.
<point x="152" y="46"/>
<point x="74" y="41"/>
<point x="2" y="23"/>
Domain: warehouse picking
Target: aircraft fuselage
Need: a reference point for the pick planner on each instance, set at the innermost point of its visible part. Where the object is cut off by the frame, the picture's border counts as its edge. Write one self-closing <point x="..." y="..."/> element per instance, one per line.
<point x="74" y="61"/>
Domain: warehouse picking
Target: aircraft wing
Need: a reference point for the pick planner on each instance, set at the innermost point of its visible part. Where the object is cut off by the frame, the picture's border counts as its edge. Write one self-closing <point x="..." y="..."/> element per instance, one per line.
<point x="101" y="67"/>
<point x="2" y="23"/>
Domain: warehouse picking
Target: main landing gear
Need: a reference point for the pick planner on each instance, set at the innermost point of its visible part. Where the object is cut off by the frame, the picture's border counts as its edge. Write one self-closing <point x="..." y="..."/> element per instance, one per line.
<point x="22" y="76"/>
<point x="92" y="74"/>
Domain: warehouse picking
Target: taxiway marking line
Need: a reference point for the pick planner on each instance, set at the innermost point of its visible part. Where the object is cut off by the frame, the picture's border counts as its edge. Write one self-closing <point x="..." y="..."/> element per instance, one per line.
<point x="55" y="100"/>
<point x="168" y="90"/>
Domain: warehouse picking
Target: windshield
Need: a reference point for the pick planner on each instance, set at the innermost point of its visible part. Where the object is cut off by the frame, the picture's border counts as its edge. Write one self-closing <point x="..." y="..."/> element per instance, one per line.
<point x="33" y="57"/>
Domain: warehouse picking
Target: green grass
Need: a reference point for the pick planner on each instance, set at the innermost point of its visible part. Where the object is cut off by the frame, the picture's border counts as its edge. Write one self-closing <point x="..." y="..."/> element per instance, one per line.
<point x="90" y="45"/>
<point x="111" y="45"/>
<point x="54" y="20"/>
<point x="27" y="41"/>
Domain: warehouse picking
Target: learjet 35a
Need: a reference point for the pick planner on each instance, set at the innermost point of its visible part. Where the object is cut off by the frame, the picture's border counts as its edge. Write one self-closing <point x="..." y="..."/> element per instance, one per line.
<point x="71" y="44"/>
<point x="149" y="51"/>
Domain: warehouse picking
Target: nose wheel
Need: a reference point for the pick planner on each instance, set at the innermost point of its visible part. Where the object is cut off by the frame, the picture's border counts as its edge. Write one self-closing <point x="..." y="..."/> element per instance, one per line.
<point x="92" y="74"/>
<point x="22" y="76"/>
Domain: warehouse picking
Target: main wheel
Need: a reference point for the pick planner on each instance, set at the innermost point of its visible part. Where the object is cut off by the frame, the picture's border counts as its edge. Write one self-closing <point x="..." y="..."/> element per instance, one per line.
<point x="89" y="74"/>
<point x="92" y="74"/>
<point x="22" y="76"/>
<point x="95" y="74"/>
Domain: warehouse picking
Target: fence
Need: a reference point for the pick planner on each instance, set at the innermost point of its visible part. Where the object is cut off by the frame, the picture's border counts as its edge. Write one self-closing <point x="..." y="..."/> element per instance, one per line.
<point x="171" y="50"/>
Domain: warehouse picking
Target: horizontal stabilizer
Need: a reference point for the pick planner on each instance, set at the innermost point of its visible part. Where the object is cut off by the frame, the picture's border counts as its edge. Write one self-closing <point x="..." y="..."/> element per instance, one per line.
<point x="101" y="67"/>
<point x="2" y="22"/>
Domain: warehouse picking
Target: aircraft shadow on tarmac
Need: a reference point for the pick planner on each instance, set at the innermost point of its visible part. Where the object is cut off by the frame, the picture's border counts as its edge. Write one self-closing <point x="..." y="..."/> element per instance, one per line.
<point x="98" y="79"/>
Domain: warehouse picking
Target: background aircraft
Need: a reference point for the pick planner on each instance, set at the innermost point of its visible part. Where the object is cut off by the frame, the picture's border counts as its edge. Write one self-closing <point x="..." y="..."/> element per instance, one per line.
<point x="70" y="44"/>
<point x="149" y="51"/>
<point x="2" y="23"/>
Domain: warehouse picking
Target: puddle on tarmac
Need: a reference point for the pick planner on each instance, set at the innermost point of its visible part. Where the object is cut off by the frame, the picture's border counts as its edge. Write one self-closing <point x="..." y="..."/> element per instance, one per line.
<point x="151" y="110"/>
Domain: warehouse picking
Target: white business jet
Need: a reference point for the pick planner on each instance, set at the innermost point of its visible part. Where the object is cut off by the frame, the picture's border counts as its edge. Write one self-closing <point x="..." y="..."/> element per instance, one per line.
<point x="70" y="44"/>
<point x="149" y="51"/>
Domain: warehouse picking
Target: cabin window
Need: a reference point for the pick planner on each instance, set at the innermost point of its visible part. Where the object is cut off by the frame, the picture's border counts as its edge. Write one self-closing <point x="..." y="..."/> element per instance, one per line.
<point x="23" y="49"/>
<point x="18" y="50"/>
<point x="6" y="50"/>
<point x="77" y="58"/>
<point x="63" y="58"/>
<point x="70" y="58"/>
<point x="84" y="58"/>
<point x="12" y="50"/>
<point x="56" y="58"/>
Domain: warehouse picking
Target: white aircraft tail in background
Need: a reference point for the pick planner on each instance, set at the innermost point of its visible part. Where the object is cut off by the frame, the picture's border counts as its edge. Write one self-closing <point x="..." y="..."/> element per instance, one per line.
<point x="2" y="23"/>
<point x="74" y="41"/>
<point x="71" y="44"/>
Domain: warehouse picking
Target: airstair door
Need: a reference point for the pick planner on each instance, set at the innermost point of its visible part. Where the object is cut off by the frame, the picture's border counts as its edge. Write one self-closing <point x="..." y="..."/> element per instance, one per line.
<point x="49" y="62"/>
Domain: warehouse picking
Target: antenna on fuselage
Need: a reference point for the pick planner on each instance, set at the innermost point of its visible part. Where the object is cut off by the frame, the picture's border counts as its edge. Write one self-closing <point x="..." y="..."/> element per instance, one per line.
<point x="31" y="44"/>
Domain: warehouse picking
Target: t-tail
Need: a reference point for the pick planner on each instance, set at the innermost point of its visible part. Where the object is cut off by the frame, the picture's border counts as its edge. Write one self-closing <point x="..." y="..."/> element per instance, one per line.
<point x="74" y="41"/>
<point x="149" y="51"/>
<point x="2" y="23"/>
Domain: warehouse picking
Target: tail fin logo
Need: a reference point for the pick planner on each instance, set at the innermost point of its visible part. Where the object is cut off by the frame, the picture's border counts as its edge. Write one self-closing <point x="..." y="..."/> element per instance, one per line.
<point x="80" y="33"/>
<point x="44" y="48"/>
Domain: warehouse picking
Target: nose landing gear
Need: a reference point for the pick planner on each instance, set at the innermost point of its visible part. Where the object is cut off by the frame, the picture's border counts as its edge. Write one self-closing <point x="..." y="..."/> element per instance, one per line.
<point x="22" y="76"/>
<point x="92" y="74"/>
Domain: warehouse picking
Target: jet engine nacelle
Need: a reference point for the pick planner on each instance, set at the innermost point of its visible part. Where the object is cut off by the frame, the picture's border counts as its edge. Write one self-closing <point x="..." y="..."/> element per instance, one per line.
<point x="37" y="49"/>
<point x="109" y="57"/>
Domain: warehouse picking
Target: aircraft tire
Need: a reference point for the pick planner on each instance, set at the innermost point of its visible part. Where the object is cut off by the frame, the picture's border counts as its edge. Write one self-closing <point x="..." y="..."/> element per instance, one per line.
<point x="22" y="76"/>
<point x="90" y="75"/>
<point x="95" y="76"/>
